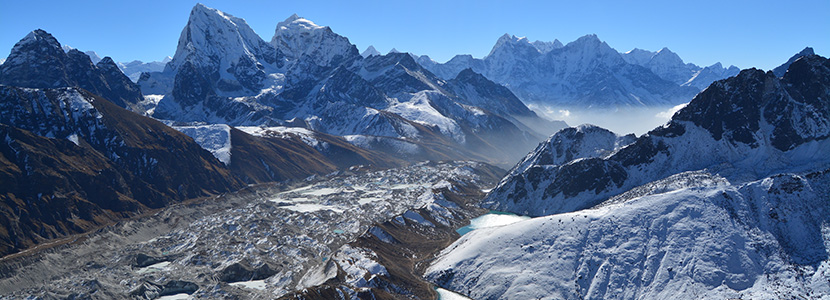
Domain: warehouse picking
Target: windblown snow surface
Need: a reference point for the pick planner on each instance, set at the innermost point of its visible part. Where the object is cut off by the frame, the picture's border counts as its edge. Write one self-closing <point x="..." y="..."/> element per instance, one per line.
<point x="672" y="239"/>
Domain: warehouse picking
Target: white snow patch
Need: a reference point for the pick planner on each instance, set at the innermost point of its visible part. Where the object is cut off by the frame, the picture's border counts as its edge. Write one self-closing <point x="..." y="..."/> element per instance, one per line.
<point x="73" y="138"/>
<point x="382" y="235"/>
<point x="179" y="296"/>
<point x="253" y="284"/>
<point x="154" y="268"/>
<point x="444" y="294"/>
<point x="282" y="132"/>
<point x="417" y="218"/>
<point x="214" y="138"/>
<point x="419" y="110"/>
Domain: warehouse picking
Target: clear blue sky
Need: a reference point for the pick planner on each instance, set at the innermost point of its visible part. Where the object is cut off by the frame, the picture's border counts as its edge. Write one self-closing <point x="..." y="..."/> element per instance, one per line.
<point x="757" y="33"/>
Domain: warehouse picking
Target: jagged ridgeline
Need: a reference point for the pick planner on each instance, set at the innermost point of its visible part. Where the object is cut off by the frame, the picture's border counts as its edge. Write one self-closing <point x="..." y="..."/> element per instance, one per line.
<point x="586" y="73"/>
<point x="310" y="77"/>
<point x="306" y="103"/>
<point x="727" y="200"/>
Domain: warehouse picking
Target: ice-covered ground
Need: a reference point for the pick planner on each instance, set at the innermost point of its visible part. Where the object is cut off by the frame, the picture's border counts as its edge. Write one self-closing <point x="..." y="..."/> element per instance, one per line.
<point x="262" y="242"/>
<point x="767" y="239"/>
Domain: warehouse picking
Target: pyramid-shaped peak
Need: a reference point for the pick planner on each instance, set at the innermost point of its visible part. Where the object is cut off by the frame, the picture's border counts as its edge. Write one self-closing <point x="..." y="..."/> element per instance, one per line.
<point x="370" y="51"/>
<point x="40" y="36"/>
<point x="106" y="63"/>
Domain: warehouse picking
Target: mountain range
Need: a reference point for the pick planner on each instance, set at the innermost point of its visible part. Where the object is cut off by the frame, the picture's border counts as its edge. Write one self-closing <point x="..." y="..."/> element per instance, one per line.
<point x="76" y="158"/>
<point x="586" y="73"/>
<point x="132" y="69"/>
<point x="310" y="77"/>
<point x="302" y="168"/>
<point x="727" y="200"/>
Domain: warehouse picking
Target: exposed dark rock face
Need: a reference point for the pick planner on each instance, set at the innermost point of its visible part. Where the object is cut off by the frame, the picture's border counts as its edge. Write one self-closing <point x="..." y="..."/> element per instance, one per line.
<point x="754" y="116"/>
<point x="75" y="161"/>
<point x="257" y="159"/>
<point x="795" y="106"/>
<point x="38" y="61"/>
<point x="782" y="69"/>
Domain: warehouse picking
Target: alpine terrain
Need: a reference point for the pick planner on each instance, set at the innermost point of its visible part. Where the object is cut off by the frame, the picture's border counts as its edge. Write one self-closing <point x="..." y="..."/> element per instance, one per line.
<point x="297" y="167"/>
<point x="585" y="73"/>
<point x="727" y="200"/>
<point x="310" y="77"/>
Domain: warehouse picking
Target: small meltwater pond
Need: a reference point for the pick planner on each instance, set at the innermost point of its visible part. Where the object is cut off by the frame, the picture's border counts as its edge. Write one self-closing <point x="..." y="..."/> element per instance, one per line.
<point x="491" y="219"/>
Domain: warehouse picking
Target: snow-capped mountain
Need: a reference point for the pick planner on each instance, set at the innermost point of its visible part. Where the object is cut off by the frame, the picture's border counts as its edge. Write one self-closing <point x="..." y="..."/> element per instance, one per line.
<point x="309" y="76"/>
<point x="692" y="235"/>
<point x="728" y="200"/>
<point x="134" y="68"/>
<point x="370" y="51"/>
<point x="80" y="161"/>
<point x="298" y="37"/>
<point x="745" y="127"/>
<point x="668" y="65"/>
<point x="584" y="73"/>
<point x="38" y="61"/>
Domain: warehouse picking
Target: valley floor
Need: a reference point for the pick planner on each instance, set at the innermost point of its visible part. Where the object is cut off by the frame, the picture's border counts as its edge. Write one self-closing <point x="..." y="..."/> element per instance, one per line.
<point x="351" y="234"/>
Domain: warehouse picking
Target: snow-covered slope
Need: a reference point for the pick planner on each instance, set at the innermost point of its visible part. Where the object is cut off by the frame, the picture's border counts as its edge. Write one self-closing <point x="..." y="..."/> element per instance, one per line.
<point x="584" y="73"/>
<point x="744" y="128"/>
<point x="727" y="201"/>
<point x="134" y="68"/>
<point x="214" y="138"/>
<point x="711" y="239"/>
<point x="298" y="37"/>
<point x="369" y="51"/>
<point x="311" y="77"/>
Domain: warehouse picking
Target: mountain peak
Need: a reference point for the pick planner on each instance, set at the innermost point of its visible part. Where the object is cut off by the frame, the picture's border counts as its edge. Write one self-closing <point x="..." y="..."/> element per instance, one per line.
<point x="508" y="39"/>
<point x="370" y="51"/>
<point x="545" y="47"/>
<point x="39" y="36"/>
<point x="298" y="37"/>
<point x="782" y="69"/>
<point x="35" y="61"/>
<point x="588" y="38"/>
<point x="211" y="34"/>
<point x="295" y="22"/>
